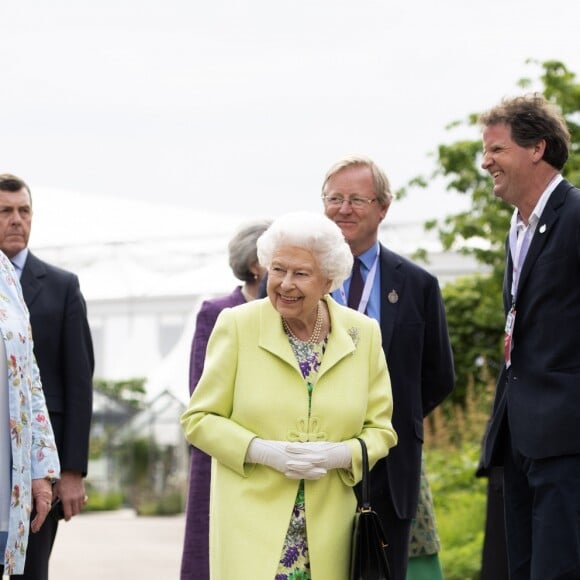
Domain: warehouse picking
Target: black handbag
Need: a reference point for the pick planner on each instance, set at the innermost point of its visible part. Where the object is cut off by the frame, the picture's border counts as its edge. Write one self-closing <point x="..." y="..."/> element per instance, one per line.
<point x="369" y="542"/>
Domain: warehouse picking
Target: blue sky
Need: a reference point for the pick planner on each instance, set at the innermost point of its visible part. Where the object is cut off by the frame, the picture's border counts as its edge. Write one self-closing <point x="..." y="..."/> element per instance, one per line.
<point x="240" y="107"/>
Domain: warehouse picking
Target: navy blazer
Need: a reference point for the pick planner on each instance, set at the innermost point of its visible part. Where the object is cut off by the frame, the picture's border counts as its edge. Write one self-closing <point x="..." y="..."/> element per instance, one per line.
<point x="416" y="345"/>
<point x="64" y="352"/>
<point x="541" y="389"/>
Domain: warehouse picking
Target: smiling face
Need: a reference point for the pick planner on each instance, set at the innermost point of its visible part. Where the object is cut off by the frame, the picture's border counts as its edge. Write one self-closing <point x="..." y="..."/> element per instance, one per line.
<point x="510" y="165"/>
<point x="15" y="221"/>
<point x="359" y="226"/>
<point x="296" y="284"/>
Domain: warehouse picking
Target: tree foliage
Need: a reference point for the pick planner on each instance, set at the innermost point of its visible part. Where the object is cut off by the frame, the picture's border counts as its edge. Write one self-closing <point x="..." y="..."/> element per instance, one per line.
<point x="130" y="392"/>
<point x="474" y="304"/>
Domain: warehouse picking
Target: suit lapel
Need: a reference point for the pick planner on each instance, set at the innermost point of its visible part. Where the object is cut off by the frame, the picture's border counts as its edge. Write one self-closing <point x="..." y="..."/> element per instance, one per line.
<point x="543" y="231"/>
<point x="31" y="279"/>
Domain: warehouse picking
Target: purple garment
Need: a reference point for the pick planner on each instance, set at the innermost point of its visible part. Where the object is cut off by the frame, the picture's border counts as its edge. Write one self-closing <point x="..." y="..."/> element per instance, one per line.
<point x="195" y="557"/>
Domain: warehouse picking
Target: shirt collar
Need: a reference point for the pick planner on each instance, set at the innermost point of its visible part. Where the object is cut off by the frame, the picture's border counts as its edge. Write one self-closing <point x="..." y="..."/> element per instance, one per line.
<point x="517" y="220"/>
<point x="367" y="258"/>
<point x="19" y="260"/>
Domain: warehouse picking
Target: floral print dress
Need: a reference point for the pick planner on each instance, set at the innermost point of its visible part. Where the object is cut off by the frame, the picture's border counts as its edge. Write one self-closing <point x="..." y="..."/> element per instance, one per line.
<point x="294" y="561"/>
<point x="32" y="448"/>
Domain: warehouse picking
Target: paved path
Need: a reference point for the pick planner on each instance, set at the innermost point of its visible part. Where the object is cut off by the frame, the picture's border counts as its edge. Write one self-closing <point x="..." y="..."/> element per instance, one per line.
<point x="118" y="545"/>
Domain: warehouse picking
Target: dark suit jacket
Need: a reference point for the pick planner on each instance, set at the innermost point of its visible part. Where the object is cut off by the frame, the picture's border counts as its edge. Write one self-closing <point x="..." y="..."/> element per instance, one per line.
<point x="64" y="353"/>
<point x="418" y="351"/>
<point x="541" y="389"/>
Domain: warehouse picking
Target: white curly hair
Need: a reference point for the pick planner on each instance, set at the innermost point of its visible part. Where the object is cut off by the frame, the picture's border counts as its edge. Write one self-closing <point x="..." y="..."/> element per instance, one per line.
<point x="313" y="232"/>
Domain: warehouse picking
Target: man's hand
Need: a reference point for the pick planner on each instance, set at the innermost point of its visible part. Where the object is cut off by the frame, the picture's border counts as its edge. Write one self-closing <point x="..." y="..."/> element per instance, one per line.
<point x="71" y="491"/>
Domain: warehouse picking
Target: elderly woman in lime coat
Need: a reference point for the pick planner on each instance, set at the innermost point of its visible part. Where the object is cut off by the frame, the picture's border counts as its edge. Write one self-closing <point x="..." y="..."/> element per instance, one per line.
<point x="27" y="441"/>
<point x="289" y="383"/>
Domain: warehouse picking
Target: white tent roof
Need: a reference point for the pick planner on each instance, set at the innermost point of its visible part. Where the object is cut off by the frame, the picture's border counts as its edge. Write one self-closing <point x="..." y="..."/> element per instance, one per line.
<point x="63" y="217"/>
<point x="125" y="248"/>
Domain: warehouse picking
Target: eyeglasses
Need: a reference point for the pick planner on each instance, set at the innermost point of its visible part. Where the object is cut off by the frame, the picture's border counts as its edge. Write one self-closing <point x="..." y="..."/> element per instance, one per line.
<point x="356" y="202"/>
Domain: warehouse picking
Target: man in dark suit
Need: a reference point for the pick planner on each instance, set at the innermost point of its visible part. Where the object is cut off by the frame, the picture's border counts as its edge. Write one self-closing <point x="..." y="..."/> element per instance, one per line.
<point x="64" y="352"/>
<point x="407" y="302"/>
<point x="533" y="431"/>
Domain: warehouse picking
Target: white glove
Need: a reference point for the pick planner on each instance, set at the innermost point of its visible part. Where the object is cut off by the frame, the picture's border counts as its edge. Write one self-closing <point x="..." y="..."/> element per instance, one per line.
<point x="278" y="455"/>
<point x="270" y="453"/>
<point x="305" y="462"/>
<point x="324" y="454"/>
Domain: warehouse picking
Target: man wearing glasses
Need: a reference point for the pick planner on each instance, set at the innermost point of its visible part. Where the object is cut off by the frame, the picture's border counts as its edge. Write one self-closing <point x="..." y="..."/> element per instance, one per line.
<point x="406" y="301"/>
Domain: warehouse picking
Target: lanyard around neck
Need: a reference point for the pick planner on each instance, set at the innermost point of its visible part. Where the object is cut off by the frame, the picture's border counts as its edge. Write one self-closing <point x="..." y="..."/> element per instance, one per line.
<point x="367" y="288"/>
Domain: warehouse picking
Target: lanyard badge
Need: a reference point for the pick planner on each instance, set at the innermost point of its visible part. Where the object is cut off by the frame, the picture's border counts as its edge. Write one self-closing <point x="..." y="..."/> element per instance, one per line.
<point x="509" y="330"/>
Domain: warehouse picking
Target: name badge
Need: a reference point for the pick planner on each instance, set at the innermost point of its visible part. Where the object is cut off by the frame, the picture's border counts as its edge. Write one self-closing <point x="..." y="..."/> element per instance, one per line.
<point x="509" y="330"/>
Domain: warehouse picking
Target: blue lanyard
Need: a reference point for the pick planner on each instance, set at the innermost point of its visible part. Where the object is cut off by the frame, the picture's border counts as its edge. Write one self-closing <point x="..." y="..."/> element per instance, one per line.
<point x="367" y="288"/>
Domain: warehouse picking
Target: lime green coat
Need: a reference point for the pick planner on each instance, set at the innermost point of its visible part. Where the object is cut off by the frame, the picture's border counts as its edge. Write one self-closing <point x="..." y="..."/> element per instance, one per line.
<point x="252" y="386"/>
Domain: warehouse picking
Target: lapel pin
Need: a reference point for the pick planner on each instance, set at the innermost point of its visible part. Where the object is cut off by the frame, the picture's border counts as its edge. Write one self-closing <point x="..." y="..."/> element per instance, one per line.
<point x="542" y="228"/>
<point x="393" y="297"/>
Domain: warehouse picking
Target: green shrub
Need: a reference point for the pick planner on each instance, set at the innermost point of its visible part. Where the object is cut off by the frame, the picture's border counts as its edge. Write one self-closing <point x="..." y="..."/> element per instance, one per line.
<point x="462" y="561"/>
<point x="99" y="501"/>
<point x="459" y="498"/>
<point x="167" y="505"/>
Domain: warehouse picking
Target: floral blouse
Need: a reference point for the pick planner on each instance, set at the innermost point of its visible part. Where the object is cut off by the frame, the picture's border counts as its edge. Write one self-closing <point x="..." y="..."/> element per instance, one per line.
<point x="33" y="453"/>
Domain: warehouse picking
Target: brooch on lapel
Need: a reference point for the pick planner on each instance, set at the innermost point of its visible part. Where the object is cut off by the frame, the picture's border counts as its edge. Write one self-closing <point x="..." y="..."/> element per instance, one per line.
<point x="392" y="296"/>
<point x="353" y="333"/>
<point x="542" y="228"/>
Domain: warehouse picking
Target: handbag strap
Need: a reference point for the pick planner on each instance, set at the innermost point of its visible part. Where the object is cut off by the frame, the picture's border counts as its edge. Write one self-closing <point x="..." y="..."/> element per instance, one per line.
<point x="365" y="503"/>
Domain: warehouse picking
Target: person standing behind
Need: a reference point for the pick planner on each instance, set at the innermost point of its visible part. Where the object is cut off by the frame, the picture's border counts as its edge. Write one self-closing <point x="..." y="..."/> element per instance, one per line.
<point x="28" y="456"/>
<point x="243" y="260"/>
<point x="533" y="430"/>
<point x="407" y="302"/>
<point x="64" y="352"/>
<point x="425" y="545"/>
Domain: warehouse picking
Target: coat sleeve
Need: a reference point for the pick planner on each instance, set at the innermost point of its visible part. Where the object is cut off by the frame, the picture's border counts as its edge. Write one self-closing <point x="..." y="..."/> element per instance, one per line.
<point x="437" y="373"/>
<point x="78" y="367"/>
<point x="44" y="456"/>
<point x="206" y="422"/>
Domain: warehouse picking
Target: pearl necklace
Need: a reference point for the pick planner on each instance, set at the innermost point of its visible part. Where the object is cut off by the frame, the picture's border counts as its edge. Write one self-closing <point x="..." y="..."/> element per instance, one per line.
<point x="315" y="336"/>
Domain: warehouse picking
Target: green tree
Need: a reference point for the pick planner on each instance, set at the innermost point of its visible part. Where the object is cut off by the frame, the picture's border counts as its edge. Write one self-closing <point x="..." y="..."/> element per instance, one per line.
<point x="474" y="304"/>
<point x="131" y="392"/>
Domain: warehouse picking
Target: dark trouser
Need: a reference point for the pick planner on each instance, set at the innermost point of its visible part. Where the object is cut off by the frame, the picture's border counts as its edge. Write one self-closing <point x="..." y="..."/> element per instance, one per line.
<point x="494" y="565"/>
<point x="38" y="551"/>
<point x="542" y="503"/>
<point x="398" y="533"/>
